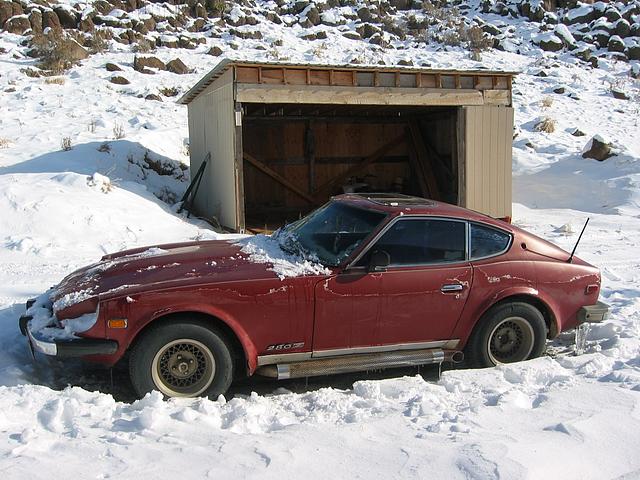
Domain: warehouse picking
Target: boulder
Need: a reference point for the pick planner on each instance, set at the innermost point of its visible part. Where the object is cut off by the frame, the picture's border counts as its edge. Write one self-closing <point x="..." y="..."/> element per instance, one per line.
<point x="405" y="63"/>
<point x="74" y="50"/>
<point x="549" y="42"/>
<point x="601" y="38"/>
<point x="565" y="35"/>
<point x="86" y="25"/>
<point x="578" y="133"/>
<point x="616" y="44"/>
<point x="177" y="66"/>
<point x="17" y="24"/>
<point x="199" y="11"/>
<point x="68" y="17"/>
<point x="623" y="28"/>
<point x="6" y="12"/>
<point x="598" y="149"/>
<point x="583" y="14"/>
<point x="215" y="51"/>
<point x="154" y="97"/>
<point x="313" y="15"/>
<point x="352" y="35"/>
<point x="35" y="17"/>
<point x="559" y="90"/>
<point x="367" y="30"/>
<point x="633" y="52"/>
<point x="118" y="80"/>
<point x="140" y="63"/>
<point x="112" y="67"/>
<point x="619" y="94"/>
<point x="50" y="20"/>
<point x="365" y="15"/>
<point x="612" y="14"/>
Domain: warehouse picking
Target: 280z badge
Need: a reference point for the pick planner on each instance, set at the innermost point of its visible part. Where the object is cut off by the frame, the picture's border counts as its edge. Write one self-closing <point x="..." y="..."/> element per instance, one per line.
<point x="284" y="346"/>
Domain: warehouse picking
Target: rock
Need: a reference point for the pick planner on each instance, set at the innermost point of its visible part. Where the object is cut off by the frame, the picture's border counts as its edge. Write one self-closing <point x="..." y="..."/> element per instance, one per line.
<point x="491" y="29"/>
<point x="309" y="36"/>
<point x="6" y="12"/>
<point x="50" y="20"/>
<point x="153" y="96"/>
<point x="300" y="6"/>
<point x="118" y="80"/>
<point x="273" y="17"/>
<point x="635" y="30"/>
<point x="578" y="133"/>
<point x="177" y="66"/>
<point x="246" y="34"/>
<point x="198" y="25"/>
<point x="612" y="14"/>
<point x="367" y="30"/>
<point x="321" y="35"/>
<point x="352" y="35"/>
<point x="559" y="90"/>
<point x="405" y="63"/>
<point x="200" y="11"/>
<point x="168" y="41"/>
<point x="615" y="44"/>
<point x="139" y="63"/>
<point x="633" y="52"/>
<point x="186" y="42"/>
<point x="583" y="53"/>
<point x="75" y="51"/>
<point x="68" y="17"/>
<point x="619" y="94"/>
<point x="583" y="14"/>
<point x="17" y="24"/>
<point x="365" y="15"/>
<point x="597" y="148"/>
<point x="86" y="25"/>
<point x="549" y="42"/>
<point x="565" y="35"/>
<point x="112" y="67"/>
<point x="313" y="15"/>
<point x="401" y="4"/>
<point x="35" y="18"/>
<point x="215" y="51"/>
<point x="623" y="28"/>
<point x="601" y="38"/>
<point x="634" y="71"/>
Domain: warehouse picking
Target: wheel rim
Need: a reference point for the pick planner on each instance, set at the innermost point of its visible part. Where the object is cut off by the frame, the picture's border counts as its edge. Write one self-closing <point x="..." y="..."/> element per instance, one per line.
<point x="183" y="368"/>
<point x="511" y="341"/>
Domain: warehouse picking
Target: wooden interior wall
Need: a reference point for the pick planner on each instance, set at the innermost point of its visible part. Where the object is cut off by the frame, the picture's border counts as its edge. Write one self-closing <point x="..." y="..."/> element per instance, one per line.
<point x="338" y="146"/>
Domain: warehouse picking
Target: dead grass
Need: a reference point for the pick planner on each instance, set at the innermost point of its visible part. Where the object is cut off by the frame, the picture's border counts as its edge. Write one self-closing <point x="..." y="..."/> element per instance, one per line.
<point x="54" y="80"/>
<point x="546" y="102"/>
<point x="54" y="52"/>
<point x="547" y="125"/>
<point x="4" y="142"/>
<point x="169" y="91"/>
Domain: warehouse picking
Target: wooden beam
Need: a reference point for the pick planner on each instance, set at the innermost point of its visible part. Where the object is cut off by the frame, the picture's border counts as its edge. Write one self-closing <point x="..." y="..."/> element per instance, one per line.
<point x="423" y="160"/>
<point x="416" y="167"/>
<point x="375" y="156"/>
<point x="347" y="95"/>
<point x="277" y="177"/>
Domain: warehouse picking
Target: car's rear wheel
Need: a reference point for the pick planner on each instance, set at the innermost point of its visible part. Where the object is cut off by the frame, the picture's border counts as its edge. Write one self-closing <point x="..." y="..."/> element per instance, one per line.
<point x="182" y="359"/>
<point x="507" y="333"/>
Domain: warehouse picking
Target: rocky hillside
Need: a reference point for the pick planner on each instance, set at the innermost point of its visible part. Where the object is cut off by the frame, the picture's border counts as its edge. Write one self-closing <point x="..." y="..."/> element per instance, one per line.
<point x="66" y="31"/>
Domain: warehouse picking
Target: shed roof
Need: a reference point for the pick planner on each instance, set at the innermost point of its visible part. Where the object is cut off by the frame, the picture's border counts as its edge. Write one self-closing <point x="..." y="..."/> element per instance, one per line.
<point x="226" y="63"/>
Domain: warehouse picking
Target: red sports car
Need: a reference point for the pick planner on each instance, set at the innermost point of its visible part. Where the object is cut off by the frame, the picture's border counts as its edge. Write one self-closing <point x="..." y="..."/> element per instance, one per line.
<point x="364" y="282"/>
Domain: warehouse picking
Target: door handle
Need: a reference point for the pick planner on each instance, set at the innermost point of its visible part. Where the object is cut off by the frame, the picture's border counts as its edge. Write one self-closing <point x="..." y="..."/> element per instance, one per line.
<point x="452" y="287"/>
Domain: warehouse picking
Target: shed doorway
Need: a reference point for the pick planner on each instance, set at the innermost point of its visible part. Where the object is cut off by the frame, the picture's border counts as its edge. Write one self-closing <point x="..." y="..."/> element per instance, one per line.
<point x="296" y="156"/>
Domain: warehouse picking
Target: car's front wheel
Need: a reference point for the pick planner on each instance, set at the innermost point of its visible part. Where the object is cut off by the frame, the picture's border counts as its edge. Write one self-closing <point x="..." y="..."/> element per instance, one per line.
<point x="507" y="333"/>
<point x="181" y="359"/>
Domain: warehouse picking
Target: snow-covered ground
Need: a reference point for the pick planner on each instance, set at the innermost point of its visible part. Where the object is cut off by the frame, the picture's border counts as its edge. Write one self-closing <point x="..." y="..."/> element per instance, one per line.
<point x="554" y="417"/>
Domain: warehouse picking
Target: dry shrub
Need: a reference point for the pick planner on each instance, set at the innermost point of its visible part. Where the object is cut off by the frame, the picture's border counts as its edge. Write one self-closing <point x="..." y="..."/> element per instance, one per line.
<point x="91" y="127"/>
<point x="143" y="46"/>
<point x="546" y="102"/>
<point x="4" y="142"/>
<point x="54" y="51"/>
<point x="96" y="42"/>
<point x="104" y="148"/>
<point x="547" y="125"/>
<point x="118" y="131"/>
<point x="65" y="144"/>
<point x="169" y="91"/>
<point x="54" y="80"/>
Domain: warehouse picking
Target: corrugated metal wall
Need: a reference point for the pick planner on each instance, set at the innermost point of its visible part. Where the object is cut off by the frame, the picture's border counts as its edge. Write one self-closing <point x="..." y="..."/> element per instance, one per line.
<point x="212" y="130"/>
<point x="487" y="134"/>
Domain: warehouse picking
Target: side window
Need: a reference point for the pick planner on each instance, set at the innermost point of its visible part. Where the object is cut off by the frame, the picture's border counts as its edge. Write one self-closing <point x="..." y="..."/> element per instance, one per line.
<point x="486" y="241"/>
<point x="422" y="241"/>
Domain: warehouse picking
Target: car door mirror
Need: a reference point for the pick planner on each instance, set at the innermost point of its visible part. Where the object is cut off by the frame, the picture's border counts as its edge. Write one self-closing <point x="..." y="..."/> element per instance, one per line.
<point x="379" y="261"/>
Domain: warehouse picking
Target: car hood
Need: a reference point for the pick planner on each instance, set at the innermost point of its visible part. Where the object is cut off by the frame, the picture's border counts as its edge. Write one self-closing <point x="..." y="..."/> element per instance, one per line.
<point x="150" y="268"/>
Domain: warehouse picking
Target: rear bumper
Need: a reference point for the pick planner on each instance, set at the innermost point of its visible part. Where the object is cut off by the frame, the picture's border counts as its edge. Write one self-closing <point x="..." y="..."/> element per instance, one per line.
<point x="593" y="313"/>
<point x="74" y="347"/>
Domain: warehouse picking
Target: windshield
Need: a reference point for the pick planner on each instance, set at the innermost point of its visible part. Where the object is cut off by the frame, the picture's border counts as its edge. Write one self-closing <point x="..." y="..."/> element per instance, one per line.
<point x="330" y="234"/>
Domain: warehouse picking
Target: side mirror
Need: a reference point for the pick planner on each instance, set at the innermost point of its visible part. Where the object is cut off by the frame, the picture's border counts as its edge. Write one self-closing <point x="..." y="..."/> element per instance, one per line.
<point x="379" y="261"/>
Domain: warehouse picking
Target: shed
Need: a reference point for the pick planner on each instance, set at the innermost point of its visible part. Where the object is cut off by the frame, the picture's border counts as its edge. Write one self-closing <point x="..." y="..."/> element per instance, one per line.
<point x="283" y="138"/>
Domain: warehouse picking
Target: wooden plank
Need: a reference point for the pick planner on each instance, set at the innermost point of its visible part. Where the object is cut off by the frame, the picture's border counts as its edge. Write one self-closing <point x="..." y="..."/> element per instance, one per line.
<point x="357" y="95"/>
<point x="247" y="75"/>
<point x="296" y="76"/>
<point x="272" y="75"/>
<point x="277" y="177"/>
<point x="423" y="160"/>
<point x="319" y="77"/>
<point x="497" y="97"/>
<point x="416" y="168"/>
<point x="342" y="77"/>
<point x="378" y="154"/>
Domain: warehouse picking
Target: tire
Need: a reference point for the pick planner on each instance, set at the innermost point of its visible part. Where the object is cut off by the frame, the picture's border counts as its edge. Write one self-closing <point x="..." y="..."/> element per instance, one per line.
<point x="181" y="359"/>
<point x="507" y="333"/>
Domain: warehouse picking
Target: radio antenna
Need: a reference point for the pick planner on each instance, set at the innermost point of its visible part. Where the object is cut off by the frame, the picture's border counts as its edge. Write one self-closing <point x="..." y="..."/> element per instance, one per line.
<point x="579" y="238"/>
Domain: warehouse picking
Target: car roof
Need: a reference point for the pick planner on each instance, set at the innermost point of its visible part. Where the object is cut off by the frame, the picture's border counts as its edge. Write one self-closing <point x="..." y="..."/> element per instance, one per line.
<point x="399" y="204"/>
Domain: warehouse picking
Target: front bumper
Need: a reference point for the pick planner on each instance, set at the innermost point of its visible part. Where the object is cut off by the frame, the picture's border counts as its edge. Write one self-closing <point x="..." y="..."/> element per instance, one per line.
<point x="593" y="313"/>
<point x="75" y="347"/>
